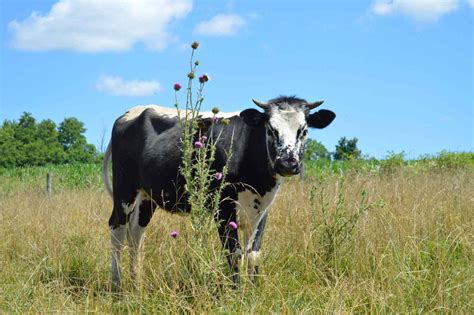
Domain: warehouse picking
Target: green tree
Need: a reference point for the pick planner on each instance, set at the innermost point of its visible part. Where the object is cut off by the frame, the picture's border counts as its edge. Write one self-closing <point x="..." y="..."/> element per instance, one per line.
<point x="9" y="145"/>
<point x="25" y="129"/>
<point x="71" y="133"/>
<point x="315" y="150"/>
<point x="25" y="136"/>
<point x="71" y="136"/>
<point x="48" y="137"/>
<point x="346" y="149"/>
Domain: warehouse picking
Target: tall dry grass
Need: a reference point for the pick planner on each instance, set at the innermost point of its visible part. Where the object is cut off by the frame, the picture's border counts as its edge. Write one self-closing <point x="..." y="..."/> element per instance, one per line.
<point x="410" y="250"/>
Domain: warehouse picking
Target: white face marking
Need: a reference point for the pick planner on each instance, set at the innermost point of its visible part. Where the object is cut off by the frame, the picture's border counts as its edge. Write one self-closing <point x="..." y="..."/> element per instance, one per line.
<point x="134" y="112"/>
<point x="287" y="123"/>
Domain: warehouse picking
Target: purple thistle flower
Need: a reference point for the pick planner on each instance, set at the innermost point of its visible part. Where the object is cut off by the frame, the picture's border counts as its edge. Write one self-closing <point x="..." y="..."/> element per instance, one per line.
<point x="177" y="87"/>
<point x="198" y="144"/>
<point x="174" y="234"/>
<point x="218" y="175"/>
<point x="232" y="225"/>
<point x="204" y="78"/>
<point x="215" y="119"/>
<point x="203" y="139"/>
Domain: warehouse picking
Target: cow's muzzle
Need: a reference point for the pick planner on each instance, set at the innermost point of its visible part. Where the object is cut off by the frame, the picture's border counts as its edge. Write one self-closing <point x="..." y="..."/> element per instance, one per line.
<point x="287" y="166"/>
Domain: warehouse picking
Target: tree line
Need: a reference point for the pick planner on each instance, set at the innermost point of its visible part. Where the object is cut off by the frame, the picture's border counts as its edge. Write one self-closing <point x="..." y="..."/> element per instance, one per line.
<point x="28" y="142"/>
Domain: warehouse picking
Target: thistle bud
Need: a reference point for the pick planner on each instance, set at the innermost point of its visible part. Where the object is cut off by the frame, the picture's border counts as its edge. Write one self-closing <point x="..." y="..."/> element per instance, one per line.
<point x="215" y="110"/>
<point x="195" y="45"/>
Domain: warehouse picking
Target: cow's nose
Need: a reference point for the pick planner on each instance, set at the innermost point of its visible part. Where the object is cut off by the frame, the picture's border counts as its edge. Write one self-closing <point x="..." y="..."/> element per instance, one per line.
<point x="290" y="160"/>
<point x="287" y="166"/>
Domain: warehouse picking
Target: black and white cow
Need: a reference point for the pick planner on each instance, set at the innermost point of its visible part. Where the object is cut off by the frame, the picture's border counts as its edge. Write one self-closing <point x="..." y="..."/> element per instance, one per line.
<point x="266" y="147"/>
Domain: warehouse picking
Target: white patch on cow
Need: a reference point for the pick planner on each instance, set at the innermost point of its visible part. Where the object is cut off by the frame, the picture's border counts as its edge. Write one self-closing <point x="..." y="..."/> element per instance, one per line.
<point x="253" y="258"/>
<point x="250" y="208"/>
<point x="287" y="123"/>
<point x="134" y="112"/>
<point x="138" y="202"/>
<point x="128" y="208"/>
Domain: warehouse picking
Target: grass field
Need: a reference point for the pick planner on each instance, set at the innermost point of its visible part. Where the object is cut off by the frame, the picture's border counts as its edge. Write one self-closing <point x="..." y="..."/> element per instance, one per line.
<point x="380" y="242"/>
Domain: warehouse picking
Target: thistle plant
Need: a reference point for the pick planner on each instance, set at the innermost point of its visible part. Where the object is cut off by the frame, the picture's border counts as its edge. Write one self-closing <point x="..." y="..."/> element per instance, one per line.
<point x="203" y="185"/>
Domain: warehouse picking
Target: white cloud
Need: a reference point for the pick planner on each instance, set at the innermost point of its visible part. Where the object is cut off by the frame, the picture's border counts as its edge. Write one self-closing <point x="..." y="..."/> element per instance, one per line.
<point x="95" y="26"/>
<point x="471" y="3"/>
<point x="419" y="10"/>
<point x="220" y="25"/>
<point x="115" y="85"/>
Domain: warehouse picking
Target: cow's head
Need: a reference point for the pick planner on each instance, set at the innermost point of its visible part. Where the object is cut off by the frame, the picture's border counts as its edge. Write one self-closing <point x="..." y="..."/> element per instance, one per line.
<point x="286" y="121"/>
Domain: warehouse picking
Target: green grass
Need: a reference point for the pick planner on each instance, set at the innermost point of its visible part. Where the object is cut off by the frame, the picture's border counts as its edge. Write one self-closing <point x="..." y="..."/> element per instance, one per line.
<point x="64" y="177"/>
<point x="393" y="162"/>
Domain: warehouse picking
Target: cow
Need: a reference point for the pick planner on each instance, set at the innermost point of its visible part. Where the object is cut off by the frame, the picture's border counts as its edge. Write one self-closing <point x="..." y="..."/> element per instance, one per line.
<point x="146" y="147"/>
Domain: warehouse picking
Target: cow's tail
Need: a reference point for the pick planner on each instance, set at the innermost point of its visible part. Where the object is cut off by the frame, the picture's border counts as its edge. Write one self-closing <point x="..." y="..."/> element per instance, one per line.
<point x="105" y="169"/>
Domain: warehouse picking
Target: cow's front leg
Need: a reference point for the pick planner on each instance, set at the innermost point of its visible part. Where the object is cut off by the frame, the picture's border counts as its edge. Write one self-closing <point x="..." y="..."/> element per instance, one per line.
<point x="253" y="251"/>
<point x="230" y="240"/>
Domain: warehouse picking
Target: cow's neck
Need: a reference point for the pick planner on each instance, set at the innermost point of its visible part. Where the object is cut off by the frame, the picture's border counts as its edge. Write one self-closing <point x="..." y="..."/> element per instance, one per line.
<point x="257" y="163"/>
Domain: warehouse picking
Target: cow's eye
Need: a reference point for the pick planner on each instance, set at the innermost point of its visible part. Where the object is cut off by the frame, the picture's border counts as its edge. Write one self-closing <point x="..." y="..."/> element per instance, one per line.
<point x="301" y="131"/>
<point x="271" y="131"/>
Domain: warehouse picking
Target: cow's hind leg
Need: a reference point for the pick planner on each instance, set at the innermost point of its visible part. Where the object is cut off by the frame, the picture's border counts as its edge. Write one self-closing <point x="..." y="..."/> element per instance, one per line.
<point x="117" y="224"/>
<point x="139" y="219"/>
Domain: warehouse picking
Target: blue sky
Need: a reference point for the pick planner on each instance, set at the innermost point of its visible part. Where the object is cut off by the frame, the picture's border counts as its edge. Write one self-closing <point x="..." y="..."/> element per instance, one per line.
<point x="398" y="73"/>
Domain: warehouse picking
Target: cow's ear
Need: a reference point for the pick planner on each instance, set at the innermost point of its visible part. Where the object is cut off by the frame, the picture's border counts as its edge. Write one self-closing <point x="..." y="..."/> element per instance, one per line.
<point x="321" y="118"/>
<point x="252" y="117"/>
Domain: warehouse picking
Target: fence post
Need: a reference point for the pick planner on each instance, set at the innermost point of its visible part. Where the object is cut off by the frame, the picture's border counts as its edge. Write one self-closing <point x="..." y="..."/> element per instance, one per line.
<point x="49" y="185"/>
